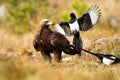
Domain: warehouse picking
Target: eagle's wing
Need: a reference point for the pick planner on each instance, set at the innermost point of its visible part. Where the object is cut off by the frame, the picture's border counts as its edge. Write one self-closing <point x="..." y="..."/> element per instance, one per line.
<point x="37" y="42"/>
<point x="58" y="40"/>
<point x="89" y="19"/>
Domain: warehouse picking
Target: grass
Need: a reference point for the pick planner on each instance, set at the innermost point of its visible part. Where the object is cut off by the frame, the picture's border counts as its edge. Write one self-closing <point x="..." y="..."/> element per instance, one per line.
<point x="19" y="60"/>
<point x="23" y="68"/>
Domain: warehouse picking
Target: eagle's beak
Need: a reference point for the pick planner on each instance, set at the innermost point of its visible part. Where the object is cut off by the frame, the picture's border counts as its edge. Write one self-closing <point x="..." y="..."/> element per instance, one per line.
<point x="50" y="23"/>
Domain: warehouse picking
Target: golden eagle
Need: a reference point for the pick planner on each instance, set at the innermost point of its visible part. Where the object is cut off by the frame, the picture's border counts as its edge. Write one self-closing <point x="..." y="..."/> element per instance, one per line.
<point x="48" y="41"/>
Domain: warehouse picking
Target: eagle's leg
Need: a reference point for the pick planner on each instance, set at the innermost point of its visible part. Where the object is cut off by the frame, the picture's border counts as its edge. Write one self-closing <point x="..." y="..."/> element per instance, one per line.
<point x="46" y="56"/>
<point x="57" y="56"/>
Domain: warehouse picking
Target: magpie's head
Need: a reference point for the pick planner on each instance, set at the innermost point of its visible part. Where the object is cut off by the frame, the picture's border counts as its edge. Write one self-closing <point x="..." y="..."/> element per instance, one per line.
<point x="72" y="15"/>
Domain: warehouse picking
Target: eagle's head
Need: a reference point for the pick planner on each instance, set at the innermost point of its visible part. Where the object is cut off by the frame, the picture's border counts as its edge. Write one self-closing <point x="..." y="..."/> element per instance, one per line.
<point x="45" y="22"/>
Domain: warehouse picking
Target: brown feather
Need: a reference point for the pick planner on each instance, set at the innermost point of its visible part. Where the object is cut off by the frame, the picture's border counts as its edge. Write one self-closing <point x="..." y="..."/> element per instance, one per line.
<point x="48" y="42"/>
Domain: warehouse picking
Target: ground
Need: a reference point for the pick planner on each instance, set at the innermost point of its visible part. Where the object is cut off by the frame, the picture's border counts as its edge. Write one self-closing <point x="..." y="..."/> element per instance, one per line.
<point x="19" y="60"/>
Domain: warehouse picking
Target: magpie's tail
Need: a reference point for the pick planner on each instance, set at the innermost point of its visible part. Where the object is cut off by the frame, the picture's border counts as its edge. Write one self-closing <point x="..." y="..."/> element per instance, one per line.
<point x="95" y="54"/>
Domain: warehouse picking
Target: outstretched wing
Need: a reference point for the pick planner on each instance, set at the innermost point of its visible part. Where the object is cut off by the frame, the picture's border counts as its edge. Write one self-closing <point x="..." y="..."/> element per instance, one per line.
<point x="89" y="19"/>
<point x="85" y="22"/>
<point x="63" y="28"/>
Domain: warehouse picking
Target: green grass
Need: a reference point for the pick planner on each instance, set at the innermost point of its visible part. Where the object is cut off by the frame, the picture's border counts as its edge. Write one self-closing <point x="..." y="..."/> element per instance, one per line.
<point x="16" y="62"/>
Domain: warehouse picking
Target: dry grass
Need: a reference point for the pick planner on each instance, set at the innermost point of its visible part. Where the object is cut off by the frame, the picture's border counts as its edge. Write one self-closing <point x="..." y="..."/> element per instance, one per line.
<point x="19" y="60"/>
<point x="23" y="68"/>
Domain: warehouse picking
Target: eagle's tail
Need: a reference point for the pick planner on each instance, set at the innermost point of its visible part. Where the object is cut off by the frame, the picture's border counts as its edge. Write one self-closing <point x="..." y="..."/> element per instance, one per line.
<point x="70" y="50"/>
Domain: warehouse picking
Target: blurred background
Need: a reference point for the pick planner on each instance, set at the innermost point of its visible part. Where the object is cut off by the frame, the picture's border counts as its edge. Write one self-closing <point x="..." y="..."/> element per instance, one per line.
<point x="18" y="26"/>
<point x="22" y="16"/>
<point x="19" y="20"/>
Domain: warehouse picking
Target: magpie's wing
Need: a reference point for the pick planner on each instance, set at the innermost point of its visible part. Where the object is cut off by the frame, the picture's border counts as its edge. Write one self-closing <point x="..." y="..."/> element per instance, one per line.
<point x="89" y="19"/>
<point x="109" y="56"/>
<point x="63" y="28"/>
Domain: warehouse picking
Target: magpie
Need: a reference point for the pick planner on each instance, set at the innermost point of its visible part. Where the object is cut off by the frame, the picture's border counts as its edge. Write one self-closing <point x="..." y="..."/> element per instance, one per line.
<point x="106" y="59"/>
<point x="77" y="41"/>
<point x="83" y="23"/>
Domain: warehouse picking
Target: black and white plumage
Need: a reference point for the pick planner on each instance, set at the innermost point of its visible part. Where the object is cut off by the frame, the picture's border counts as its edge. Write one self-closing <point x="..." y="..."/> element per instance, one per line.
<point x="77" y="42"/>
<point x="48" y="42"/>
<point x="106" y="59"/>
<point x="83" y="23"/>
